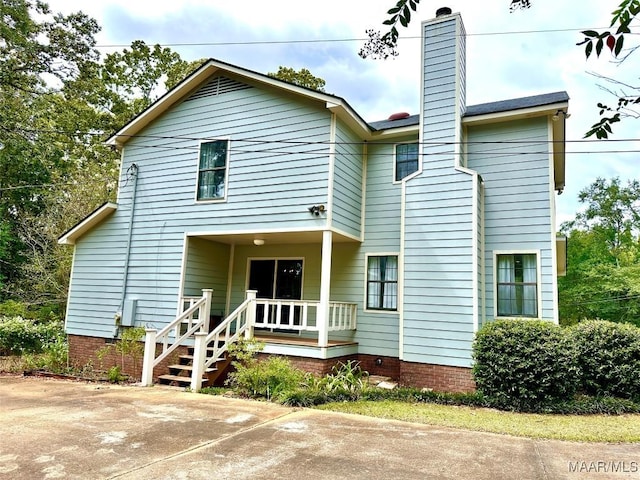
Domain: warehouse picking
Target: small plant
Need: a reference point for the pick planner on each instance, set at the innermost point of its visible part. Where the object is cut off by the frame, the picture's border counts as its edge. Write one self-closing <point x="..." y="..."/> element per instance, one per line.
<point x="268" y="378"/>
<point x="347" y="378"/>
<point x="114" y="374"/>
<point x="130" y="345"/>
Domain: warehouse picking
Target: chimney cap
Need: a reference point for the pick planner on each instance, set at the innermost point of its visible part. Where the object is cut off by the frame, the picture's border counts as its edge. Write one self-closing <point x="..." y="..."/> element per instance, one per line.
<point x="443" y="11"/>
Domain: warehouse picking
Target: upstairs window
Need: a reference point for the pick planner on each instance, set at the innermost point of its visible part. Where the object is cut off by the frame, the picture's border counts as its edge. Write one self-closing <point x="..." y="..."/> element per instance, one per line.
<point x="212" y="170"/>
<point x="382" y="282"/>
<point x="517" y="285"/>
<point x="406" y="160"/>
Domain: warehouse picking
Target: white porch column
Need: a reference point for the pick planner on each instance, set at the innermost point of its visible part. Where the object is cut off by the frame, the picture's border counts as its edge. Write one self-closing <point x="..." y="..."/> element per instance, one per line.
<point x="325" y="288"/>
<point x="251" y="314"/>
<point x="148" y="357"/>
<point x="205" y="311"/>
<point x="199" y="357"/>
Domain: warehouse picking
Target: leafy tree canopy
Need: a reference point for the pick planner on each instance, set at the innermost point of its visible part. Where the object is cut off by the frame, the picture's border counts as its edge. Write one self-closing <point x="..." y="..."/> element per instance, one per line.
<point x="603" y="250"/>
<point x="302" y="77"/>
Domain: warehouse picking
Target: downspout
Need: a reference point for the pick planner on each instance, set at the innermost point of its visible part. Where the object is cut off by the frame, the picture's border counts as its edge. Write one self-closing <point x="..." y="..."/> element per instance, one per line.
<point x="133" y="174"/>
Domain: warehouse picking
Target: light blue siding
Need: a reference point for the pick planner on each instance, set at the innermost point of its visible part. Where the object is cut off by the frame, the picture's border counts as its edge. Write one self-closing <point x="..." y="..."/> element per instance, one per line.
<point x="439" y="218"/>
<point x="278" y="167"/>
<point x="378" y="332"/>
<point x="518" y="199"/>
<point x="95" y="290"/>
<point x="347" y="182"/>
<point x="207" y="267"/>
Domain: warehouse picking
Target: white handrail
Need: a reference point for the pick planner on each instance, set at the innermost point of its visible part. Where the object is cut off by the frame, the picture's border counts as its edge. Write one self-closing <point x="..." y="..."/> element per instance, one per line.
<point x="210" y="349"/>
<point x="150" y="360"/>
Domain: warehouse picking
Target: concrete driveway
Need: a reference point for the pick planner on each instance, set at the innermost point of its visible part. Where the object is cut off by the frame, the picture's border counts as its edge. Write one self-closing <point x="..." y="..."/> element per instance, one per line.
<point x="71" y="430"/>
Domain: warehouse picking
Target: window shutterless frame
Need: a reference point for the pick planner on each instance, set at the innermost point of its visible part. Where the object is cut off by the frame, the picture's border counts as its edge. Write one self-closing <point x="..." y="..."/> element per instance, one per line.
<point x="517" y="284"/>
<point x="213" y="170"/>
<point x="406" y="160"/>
<point x="381" y="293"/>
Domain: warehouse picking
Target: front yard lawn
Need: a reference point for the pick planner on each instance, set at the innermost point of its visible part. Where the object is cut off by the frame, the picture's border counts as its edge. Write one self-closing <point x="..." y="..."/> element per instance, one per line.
<point x="579" y="428"/>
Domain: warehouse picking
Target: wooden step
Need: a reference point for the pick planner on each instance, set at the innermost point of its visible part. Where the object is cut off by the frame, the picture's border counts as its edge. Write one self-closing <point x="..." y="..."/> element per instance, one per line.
<point x="179" y="379"/>
<point x="189" y="358"/>
<point x="190" y="368"/>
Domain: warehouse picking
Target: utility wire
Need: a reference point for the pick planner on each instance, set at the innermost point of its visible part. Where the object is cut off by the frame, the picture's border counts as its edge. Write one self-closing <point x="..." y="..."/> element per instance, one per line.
<point x="328" y="143"/>
<point x="605" y="300"/>
<point x="347" y="40"/>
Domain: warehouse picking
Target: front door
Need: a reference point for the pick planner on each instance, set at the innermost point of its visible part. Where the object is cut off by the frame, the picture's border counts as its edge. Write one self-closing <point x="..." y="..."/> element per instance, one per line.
<point x="277" y="279"/>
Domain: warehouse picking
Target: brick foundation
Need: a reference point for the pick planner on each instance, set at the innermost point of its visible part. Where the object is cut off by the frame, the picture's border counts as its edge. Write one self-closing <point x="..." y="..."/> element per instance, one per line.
<point x="83" y="350"/>
<point x="316" y="366"/>
<point x="438" y="377"/>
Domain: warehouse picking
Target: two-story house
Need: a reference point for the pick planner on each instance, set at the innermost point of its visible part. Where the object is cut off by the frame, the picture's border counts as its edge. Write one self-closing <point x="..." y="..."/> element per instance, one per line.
<point x="328" y="237"/>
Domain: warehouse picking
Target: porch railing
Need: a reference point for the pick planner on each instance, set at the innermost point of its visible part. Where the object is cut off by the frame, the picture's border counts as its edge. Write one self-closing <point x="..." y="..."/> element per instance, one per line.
<point x="193" y="323"/>
<point x="195" y="319"/>
<point x="295" y="315"/>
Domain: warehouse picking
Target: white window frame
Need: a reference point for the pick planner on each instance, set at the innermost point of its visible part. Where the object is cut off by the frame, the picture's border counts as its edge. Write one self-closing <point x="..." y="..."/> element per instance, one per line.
<point x="496" y="253"/>
<point x="365" y="304"/>
<point x="395" y="158"/>
<point x="226" y="172"/>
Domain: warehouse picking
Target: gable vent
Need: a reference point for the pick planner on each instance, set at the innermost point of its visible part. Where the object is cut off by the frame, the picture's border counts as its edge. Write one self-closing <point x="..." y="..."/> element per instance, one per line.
<point x="218" y="86"/>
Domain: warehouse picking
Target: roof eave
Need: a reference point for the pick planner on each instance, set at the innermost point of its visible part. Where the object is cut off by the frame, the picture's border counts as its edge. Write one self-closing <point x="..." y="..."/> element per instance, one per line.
<point x="530" y="112"/>
<point x="93" y="219"/>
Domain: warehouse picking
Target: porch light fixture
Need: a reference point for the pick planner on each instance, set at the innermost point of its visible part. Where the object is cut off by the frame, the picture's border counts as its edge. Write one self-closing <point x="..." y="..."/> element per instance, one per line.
<point x="316" y="210"/>
<point x="258" y="242"/>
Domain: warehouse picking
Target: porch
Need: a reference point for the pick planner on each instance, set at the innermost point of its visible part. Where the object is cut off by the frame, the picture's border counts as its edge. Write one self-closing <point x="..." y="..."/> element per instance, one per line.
<point x="281" y="324"/>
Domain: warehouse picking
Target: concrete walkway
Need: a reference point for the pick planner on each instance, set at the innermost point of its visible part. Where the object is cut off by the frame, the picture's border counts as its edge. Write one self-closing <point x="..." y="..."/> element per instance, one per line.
<point x="71" y="430"/>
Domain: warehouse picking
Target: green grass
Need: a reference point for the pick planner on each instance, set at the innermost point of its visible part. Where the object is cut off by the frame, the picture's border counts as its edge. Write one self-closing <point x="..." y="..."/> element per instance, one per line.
<point x="579" y="428"/>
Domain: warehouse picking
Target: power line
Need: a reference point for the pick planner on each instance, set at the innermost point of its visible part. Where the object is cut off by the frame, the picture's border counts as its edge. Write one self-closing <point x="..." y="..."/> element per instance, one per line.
<point x="605" y="300"/>
<point x="345" y="40"/>
<point x="329" y="143"/>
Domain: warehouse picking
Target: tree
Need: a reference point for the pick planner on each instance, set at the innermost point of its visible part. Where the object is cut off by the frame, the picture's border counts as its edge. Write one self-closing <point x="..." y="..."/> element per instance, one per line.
<point x="302" y="77"/>
<point x="383" y="46"/>
<point x="58" y="101"/>
<point x="603" y="251"/>
<point x="34" y="45"/>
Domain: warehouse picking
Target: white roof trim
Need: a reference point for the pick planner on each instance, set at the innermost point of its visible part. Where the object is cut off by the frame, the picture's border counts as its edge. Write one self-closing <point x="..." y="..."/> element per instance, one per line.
<point x="193" y="81"/>
<point x="70" y="237"/>
<point x="506" y="115"/>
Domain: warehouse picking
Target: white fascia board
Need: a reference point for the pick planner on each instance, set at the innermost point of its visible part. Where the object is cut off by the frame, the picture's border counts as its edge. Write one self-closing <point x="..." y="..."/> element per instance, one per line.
<point x="70" y="237"/>
<point x="522" y="113"/>
<point x="189" y="84"/>
<point x="396" y="132"/>
<point x="345" y="113"/>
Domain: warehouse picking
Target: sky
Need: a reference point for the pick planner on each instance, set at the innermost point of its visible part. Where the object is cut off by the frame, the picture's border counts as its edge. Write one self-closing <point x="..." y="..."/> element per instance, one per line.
<point x="509" y="55"/>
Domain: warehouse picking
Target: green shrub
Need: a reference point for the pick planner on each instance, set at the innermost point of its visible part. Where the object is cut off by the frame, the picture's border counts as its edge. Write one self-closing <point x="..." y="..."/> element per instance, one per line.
<point x="524" y="364"/>
<point x="609" y="358"/>
<point x="11" y="308"/>
<point x="268" y="378"/>
<point x="19" y="336"/>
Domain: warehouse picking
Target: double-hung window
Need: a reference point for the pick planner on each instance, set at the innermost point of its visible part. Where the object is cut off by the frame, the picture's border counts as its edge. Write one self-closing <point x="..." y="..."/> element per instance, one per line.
<point x="212" y="170"/>
<point x="382" y="282"/>
<point x="406" y="160"/>
<point x="517" y="285"/>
